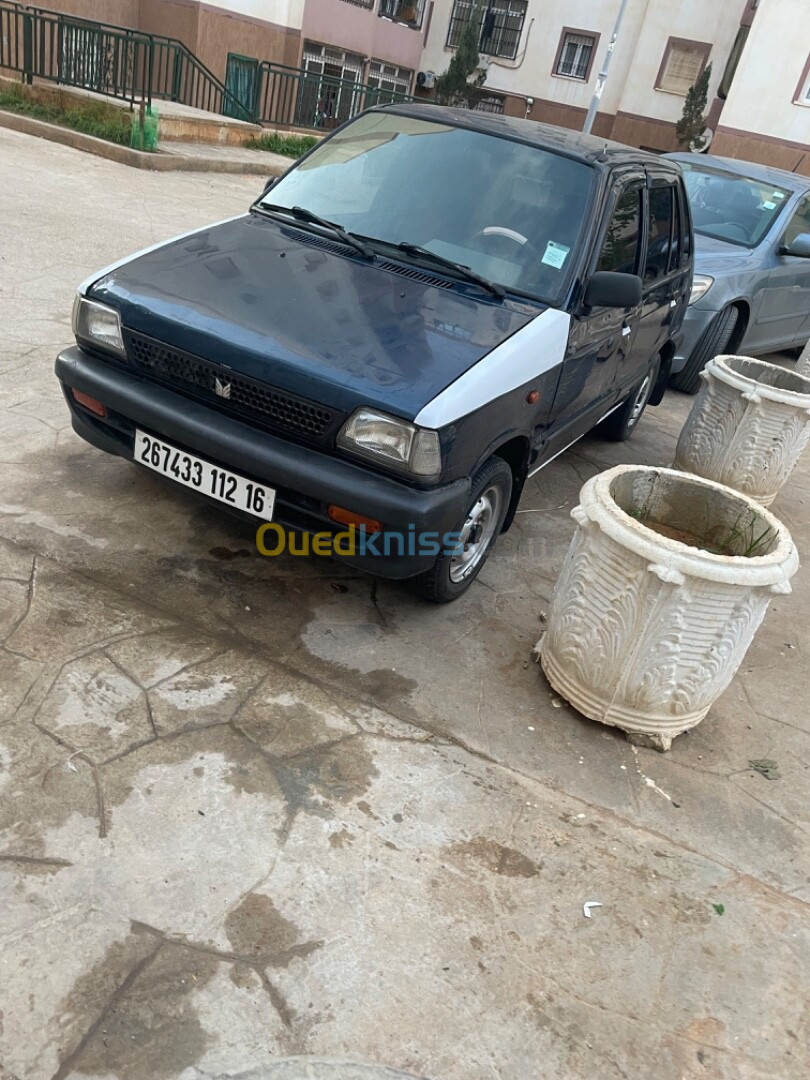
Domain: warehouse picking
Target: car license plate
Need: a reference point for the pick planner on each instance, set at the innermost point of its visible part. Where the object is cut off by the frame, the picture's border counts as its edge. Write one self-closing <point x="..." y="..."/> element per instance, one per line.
<point x="193" y="472"/>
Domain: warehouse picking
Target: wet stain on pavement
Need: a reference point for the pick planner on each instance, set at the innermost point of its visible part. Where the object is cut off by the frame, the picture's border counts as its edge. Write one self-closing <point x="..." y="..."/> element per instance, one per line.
<point x="496" y="857"/>
<point x="257" y="928"/>
<point x="151" y="1031"/>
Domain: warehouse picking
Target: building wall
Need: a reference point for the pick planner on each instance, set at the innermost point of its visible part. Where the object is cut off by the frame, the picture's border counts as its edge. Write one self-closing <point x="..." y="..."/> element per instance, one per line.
<point x="631" y="109"/>
<point x="360" y="30"/>
<point x="762" y="119"/>
<point x="264" y="29"/>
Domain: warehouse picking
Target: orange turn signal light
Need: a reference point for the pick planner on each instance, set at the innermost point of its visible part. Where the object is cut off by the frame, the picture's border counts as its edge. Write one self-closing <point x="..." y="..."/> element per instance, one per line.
<point x="357" y="521"/>
<point x="91" y="403"/>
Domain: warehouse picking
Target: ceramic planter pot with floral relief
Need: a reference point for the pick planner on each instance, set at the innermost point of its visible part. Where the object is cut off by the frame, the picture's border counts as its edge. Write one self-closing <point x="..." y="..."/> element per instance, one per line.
<point x="665" y="583"/>
<point x="748" y="426"/>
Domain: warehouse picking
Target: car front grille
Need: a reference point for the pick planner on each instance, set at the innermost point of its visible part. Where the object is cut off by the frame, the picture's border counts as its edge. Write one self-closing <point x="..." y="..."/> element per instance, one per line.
<point x="252" y="401"/>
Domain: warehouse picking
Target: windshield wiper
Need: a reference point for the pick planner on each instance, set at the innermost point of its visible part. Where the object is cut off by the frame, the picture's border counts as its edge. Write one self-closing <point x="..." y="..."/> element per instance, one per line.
<point x="301" y="214"/>
<point x="450" y="264"/>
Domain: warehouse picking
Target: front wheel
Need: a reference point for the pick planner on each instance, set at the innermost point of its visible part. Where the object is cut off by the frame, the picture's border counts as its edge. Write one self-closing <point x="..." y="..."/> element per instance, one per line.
<point x="712" y="342"/>
<point x="454" y="572"/>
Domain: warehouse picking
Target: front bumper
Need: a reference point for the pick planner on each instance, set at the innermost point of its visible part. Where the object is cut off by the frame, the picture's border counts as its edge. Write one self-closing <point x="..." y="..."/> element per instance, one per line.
<point x="306" y="480"/>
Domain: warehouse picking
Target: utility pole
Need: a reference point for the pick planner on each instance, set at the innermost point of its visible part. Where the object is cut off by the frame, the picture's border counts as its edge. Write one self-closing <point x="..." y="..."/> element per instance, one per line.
<point x="603" y="74"/>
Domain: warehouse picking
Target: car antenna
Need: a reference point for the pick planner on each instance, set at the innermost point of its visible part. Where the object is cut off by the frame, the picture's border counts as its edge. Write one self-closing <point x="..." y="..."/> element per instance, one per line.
<point x="602" y="156"/>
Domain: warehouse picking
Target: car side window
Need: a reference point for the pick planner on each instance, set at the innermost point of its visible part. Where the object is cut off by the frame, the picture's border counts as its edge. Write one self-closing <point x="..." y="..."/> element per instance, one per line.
<point x="677" y="234"/>
<point x="659" y="233"/>
<point x="620" y="247"/>
<point x="799" y="223"/>
<point x="686" y="225"/>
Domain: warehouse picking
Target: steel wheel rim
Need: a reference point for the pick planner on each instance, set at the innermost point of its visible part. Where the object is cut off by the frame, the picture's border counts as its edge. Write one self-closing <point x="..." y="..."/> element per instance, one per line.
<point x="640" y="402"/>
<point x="477" y="533"/>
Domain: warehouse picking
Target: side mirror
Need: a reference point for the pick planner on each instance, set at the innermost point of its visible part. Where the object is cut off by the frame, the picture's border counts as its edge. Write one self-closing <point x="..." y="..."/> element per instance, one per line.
<point x="799" y="246"/>
<point x="609" y="289"/>
<point x="268" y="185"/>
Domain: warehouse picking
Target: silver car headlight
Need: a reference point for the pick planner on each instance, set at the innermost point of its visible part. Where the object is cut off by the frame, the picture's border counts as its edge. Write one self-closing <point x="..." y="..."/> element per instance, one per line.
<point x="99" y="325"/>
<point x="394" y="443"/>
<point x="701" y="283"/>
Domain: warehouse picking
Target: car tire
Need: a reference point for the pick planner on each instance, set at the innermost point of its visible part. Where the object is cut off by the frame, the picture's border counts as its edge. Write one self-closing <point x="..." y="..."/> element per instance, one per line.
<point x="713" y="341"/>
<point x="452" y="575"/>
<point x="621" y="423"/>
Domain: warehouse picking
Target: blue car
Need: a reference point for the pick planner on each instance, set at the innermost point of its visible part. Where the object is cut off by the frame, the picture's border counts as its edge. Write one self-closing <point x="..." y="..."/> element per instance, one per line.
<point x="422" y="312"/>
<point x="751" y="291"/>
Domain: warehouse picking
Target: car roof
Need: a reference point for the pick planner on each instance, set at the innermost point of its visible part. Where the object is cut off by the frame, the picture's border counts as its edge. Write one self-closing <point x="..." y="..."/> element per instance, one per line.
<point x="752" y="169"/>
<point x="574" y="144"/>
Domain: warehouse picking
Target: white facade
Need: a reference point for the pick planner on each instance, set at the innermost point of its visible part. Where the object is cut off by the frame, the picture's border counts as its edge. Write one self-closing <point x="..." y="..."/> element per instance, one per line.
<point x="771" y="94"/>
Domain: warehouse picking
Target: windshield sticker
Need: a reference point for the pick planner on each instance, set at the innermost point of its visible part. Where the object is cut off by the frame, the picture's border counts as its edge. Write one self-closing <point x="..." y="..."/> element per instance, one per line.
<point x="555" y="254"/>
<point x="778" y="195"/>
<point x="768" y="205"/>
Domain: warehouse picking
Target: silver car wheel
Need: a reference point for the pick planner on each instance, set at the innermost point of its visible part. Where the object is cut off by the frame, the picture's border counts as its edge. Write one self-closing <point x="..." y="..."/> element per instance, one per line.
<point x="477" y="533"/>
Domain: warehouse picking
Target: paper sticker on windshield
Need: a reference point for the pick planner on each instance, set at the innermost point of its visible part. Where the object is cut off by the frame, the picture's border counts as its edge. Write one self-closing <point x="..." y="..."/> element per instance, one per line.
<point x="769" y="205"/>
<point x="555" y="254"/>
<point x="778" y="195"/>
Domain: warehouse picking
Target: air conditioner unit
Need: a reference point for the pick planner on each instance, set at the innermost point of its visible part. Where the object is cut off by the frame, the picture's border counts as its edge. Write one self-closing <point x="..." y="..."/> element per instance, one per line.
<point x="426" y="80"/>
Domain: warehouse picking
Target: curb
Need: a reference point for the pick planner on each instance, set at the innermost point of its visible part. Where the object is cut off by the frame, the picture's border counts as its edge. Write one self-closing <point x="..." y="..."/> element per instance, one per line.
<point x="124" y="155"/>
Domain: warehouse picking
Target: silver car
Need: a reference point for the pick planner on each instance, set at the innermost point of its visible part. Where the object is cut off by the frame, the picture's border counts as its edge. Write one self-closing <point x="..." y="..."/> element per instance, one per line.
<point x="751" y="289"/>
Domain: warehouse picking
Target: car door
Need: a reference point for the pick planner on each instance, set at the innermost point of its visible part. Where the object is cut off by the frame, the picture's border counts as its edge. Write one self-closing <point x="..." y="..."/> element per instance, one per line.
<point x="600" y="338"/>
<point x="664" y="278"/>
<point x="781" y="317"/>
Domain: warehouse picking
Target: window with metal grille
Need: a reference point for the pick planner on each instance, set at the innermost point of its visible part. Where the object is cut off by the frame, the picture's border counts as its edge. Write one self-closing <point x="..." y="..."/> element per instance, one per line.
<point x="491" y="103"/>
<point x="682" y="65"/>
<point x="388" y="78"/>
<point x="501" y="26"/>
<point x="361" y="3"/>
<point x="404" y="11"/>
<point x="575" y="55"/>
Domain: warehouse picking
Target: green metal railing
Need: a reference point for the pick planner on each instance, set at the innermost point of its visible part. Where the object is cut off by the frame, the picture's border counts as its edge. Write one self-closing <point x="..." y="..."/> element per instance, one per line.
<point x="291" y="97"/>
<point x="135" y="66"/>
<point x="112" y="60"/>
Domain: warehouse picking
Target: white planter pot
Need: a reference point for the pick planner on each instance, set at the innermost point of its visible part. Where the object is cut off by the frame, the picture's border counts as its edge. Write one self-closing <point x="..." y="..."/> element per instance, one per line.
<point x="645" y="632"/>
<point x="748" y="426"/>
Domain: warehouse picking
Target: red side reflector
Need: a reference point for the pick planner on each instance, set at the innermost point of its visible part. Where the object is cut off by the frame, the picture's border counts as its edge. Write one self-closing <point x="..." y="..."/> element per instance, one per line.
<point x="90" y="403"/>
<point x="358" y="521"/>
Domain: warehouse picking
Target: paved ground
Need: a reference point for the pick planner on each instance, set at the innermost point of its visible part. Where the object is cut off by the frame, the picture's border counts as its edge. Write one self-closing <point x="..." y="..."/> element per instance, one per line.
<point x="255" y="809"/>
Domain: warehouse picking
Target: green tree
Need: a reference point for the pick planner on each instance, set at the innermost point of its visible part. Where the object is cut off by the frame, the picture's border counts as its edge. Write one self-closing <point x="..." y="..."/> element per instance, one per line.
<point x="692" y="123"/>
<point x="461" y="83"/>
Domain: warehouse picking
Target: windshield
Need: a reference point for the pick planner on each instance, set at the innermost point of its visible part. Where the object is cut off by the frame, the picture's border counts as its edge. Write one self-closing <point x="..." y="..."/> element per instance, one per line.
<point x="728" y="207"/>
<point x="510" y="212"/>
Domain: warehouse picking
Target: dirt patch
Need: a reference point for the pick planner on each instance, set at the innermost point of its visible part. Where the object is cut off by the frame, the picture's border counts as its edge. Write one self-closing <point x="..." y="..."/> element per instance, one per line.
<point x="496" y="857"/>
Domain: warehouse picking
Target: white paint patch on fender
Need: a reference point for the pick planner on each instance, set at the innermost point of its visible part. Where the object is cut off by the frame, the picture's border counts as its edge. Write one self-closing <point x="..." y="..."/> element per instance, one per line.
<point x="536" y="348"/>
<point x="99" y="274"/>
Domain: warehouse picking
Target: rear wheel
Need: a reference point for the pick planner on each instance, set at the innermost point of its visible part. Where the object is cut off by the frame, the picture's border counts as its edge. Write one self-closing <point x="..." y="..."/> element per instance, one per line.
<point x="452" y="574"/>
<point x="713" y="341"/>
<point x="621" y="424"/>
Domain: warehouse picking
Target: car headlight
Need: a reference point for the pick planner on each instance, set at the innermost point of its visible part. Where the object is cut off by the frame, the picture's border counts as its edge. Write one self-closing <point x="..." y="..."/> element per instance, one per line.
<point x="701" y="283"/>
<point x="99" y="325"/>
<point x="392" y="442"/>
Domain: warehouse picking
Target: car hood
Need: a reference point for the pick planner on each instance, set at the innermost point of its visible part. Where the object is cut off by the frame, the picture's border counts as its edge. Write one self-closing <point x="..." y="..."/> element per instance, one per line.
<point x="713" y="256"/>
<point x="283" y="306"/>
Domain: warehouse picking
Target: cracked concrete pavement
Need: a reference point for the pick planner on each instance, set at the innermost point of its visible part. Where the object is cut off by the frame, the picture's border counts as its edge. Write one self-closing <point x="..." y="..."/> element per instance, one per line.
<point x="260" y="810"/>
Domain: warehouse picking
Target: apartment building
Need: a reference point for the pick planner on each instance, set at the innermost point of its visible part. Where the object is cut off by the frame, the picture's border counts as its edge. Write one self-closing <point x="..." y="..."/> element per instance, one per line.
<point x="378" y="42"/>
<point x="542" y="59"/>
